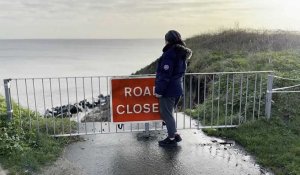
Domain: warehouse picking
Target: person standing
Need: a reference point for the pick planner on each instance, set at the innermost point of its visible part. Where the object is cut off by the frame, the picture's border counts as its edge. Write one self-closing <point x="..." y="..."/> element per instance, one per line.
<point x="170" y="70"/>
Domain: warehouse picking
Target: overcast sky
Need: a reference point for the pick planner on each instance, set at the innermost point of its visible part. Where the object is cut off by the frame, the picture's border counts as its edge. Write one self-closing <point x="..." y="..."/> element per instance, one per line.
<point x="140" y="18"/>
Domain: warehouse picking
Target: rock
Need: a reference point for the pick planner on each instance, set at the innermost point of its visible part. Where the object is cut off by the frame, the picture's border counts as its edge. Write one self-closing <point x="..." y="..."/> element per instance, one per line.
<point x="97" y="115"/>
<point x="226" y="143"/>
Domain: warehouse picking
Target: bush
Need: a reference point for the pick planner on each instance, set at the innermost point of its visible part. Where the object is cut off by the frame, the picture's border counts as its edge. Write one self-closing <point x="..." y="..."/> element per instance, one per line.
<point x="25" y="144"/>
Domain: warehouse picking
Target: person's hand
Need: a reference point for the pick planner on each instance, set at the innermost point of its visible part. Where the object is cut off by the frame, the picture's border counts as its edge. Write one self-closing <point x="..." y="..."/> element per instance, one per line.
<point x="157" y="95"/>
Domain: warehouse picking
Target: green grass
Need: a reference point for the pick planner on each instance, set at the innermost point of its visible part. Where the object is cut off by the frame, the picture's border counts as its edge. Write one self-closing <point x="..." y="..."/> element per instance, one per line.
<point x="275" y="143"/>
<point x="38" y="151"/>
<point x="24" y="150"/>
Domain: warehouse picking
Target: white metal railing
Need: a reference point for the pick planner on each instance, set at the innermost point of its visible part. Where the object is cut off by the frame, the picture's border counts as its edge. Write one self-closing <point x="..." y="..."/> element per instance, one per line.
<point x="64" y="106"/>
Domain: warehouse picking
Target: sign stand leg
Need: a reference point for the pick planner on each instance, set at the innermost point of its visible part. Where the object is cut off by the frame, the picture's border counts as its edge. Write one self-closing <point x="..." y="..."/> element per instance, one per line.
<point x="147" y="130"/>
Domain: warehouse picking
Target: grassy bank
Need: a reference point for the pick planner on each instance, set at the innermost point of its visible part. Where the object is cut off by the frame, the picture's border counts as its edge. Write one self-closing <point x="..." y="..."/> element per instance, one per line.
<point x="275" y="143"/>
<point x="23" y="150"/>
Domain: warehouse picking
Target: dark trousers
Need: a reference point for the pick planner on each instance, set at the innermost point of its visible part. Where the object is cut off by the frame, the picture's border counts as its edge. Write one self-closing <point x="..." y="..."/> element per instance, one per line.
<point x="166" y="108"/>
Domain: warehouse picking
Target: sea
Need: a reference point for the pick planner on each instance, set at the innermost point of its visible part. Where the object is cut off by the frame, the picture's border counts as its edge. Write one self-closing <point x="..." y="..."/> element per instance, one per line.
<point x="54" y="58"/>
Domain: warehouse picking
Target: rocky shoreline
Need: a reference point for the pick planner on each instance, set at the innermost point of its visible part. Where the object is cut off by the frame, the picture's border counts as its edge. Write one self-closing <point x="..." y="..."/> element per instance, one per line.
<point x="96" y="111"/>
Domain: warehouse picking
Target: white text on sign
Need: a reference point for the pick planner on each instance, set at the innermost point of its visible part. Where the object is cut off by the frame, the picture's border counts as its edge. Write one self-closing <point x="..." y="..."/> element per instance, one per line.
<point x="138" y="108"/>
<point x="138" y="91"/>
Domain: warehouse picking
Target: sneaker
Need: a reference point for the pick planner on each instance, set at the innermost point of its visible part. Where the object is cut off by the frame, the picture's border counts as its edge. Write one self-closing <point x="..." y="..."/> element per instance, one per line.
<point x="178" y="138"/>
<point x="167" y="142"/>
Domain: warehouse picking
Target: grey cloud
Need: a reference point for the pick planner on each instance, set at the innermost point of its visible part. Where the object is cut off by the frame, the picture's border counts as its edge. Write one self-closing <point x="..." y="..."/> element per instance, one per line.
<point x="67" y="8"/>
<point x="135" y="6"/>
<point x="122" y="5"/>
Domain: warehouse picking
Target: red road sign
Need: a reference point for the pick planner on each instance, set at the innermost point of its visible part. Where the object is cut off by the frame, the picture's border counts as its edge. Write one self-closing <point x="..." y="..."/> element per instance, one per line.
<point x="133" y="100"/>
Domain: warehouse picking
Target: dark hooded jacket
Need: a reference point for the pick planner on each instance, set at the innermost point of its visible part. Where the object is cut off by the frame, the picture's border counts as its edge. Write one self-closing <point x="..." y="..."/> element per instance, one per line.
<point x="170" y="70"/>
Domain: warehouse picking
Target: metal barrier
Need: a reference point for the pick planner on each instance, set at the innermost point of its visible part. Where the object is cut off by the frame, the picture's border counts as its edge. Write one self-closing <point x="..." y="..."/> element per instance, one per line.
<point x="66" y="106"/>
<point x="280" y="90"/>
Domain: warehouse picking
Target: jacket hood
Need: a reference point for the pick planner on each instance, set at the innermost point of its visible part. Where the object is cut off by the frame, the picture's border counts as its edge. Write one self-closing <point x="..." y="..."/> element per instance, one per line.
<point x="183" y="52"/>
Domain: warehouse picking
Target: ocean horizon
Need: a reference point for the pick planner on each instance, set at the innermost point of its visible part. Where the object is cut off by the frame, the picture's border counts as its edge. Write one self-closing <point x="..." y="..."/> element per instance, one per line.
<point x="52" y="58"/>
<point x="31" y="58"/>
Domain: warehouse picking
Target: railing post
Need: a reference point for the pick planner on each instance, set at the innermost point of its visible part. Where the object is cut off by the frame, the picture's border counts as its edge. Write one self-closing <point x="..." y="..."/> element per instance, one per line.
<point x="269" y="96"/>
<point x="147" y="129"/>
<point x="8" y="99"/>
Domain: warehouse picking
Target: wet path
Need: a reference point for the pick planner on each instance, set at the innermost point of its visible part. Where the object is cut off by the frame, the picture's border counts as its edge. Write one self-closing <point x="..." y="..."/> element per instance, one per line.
<point x="133" y="154"/>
